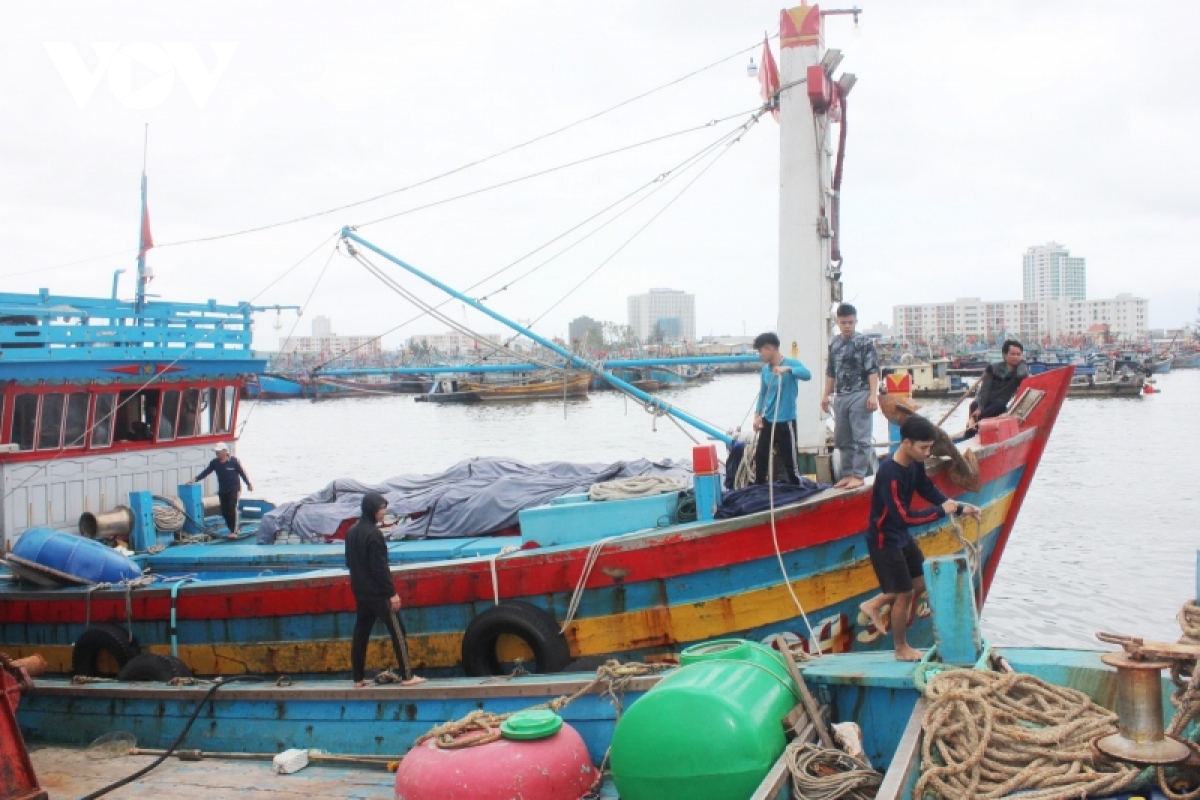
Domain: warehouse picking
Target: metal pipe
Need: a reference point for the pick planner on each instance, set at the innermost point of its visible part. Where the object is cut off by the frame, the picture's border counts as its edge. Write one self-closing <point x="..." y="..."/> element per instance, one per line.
<point x="118" y="522"/>
<point x="573" y="359"/>
<point x="212" y="505"/>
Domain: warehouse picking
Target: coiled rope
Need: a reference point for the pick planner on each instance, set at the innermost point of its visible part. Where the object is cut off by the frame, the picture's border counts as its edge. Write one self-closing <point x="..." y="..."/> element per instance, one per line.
<point x="637" y="486"/>
<point x="1185" y="698"/>
<point x="613" y="675"/>
<point x="168" y="514"/>
<point x="820" y="774"/>
<point x="1189" y="620"/>
<point x="987" y="735"/>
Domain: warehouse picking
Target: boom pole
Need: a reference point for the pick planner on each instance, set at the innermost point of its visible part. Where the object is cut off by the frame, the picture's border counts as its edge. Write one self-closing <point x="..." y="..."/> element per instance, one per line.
<point x="652" y="402"/>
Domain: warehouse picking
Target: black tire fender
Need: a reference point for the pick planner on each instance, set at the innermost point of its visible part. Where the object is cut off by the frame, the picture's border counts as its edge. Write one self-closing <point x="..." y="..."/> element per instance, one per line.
<point x="154" y="667"/>
<point x="525" y="621"/>
<point x="102" y="637"/>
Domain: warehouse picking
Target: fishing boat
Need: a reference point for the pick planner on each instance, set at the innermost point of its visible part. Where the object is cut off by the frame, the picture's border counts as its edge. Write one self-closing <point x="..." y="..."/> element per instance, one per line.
<point x="272" y="386"/>
<point x="101" y="396"/>
<point x="609" y="582"/>
<point x="930" y="379"/>
<point x="467" y="391"/>
<point x="1105" y="723"/>
<point x="1104" y="383"/>
<point x="327" y="386"/>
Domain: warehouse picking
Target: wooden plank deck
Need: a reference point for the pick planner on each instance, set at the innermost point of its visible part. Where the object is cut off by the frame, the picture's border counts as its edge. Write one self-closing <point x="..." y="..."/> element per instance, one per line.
<point x="67" y="773"/>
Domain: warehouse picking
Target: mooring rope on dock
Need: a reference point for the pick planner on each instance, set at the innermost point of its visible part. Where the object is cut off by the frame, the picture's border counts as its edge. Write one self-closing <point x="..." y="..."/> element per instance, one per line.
<point x="987" y="735"/>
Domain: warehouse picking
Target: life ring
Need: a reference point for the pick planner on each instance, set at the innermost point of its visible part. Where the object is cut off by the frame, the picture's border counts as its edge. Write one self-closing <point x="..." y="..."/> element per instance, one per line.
<point x="103" y="637"/>
<point x="154" y="667"/>
<point x="524" y="621"/>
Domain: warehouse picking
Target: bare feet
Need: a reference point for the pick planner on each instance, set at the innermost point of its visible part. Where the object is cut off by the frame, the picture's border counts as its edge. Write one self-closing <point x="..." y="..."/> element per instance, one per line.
<point x="908" y="654"/>
<point x="876" y="617"/>
<point x="361" y="684"/>
<point x="851" y="482"/>
<point x="413" y="681"/>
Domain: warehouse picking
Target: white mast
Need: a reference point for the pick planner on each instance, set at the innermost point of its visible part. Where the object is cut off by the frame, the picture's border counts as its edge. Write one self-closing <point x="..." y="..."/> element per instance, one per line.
<point x="809" y="282"/>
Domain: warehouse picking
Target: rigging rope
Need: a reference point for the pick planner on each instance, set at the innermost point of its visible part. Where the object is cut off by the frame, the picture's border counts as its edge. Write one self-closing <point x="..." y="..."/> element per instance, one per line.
<point x="462" y="167"/>
<point x="551" y="170"/>
<point x="787" y="581"/>
<point x="661" y="179"/>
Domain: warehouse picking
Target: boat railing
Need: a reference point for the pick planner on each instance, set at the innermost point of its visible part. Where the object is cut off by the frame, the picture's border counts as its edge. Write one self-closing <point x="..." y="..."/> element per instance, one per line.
<point x="43" y="327"/>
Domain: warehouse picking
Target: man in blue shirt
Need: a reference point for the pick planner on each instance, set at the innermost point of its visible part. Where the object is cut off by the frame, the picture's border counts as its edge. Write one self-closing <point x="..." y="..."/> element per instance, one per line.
<point x="895" y="555"/>
<point x="775" y="409"/>
<point x="229" y="484"/>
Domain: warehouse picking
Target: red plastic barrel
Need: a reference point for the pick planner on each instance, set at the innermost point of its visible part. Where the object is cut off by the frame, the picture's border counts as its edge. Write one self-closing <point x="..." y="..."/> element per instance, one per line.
<point x="555" y="768"/>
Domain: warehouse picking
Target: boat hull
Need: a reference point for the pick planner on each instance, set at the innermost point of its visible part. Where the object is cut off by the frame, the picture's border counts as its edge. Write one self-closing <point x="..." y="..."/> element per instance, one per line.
<point x="651" y="593"/>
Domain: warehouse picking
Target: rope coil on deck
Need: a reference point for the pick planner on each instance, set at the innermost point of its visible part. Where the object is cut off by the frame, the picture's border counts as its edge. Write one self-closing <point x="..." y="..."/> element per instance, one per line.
<point x="821" y="774"/>
<point x="987" y="735"/>
<point x="613" y="675"/>
<point x="637" y="486"/>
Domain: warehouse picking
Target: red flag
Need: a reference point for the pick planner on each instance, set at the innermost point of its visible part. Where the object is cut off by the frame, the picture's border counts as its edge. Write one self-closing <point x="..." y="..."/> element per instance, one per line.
<point x="768" y="79"/>
<point x="147" y="239"/>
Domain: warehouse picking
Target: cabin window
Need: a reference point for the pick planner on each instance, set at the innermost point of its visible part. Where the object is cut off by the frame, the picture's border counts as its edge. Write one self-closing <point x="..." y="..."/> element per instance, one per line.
<point x="137" y="413"/>
<point x="230" y="401"/>
<point x="188" y="413"/>
<point x="102" y="433"/>
<point x="204" y="413"/>
<point x="221" y="399"/>
<point x="75" y="428"/>
<point x="24" y="425"/>
<point x="50" y="427"/>
<point x="167" y="415"/>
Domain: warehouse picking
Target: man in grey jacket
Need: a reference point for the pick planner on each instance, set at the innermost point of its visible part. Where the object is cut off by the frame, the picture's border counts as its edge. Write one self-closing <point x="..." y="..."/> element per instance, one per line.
<point x="852" y="381"/>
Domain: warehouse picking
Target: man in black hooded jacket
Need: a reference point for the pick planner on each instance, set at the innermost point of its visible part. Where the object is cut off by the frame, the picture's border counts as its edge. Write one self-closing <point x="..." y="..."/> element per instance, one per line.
<point x="374" y="592"/>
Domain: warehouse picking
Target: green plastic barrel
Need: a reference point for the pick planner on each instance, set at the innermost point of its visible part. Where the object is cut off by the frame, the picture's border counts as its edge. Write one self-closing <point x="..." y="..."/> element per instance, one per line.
<point x="711" y="730"/>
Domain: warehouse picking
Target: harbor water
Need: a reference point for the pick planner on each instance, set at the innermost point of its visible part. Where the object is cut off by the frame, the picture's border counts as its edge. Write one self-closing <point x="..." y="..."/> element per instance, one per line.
<point x="1106" y="540"/>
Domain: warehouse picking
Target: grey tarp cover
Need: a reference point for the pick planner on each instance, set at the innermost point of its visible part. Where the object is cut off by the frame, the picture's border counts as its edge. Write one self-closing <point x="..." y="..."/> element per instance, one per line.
<point x="475" y="497"/>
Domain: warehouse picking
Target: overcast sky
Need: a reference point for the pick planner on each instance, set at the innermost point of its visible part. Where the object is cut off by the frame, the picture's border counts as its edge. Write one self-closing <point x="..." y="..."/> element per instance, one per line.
<point x="976" y="130"/>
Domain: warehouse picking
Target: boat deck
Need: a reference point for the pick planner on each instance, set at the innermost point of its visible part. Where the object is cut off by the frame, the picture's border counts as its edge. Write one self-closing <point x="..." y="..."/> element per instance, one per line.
<point x="69" y="772"/>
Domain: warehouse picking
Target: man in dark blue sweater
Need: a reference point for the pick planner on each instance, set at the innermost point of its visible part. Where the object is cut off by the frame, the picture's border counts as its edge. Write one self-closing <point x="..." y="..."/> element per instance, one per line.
<point x="229" y="484"/>
<point x="894" y="553"/>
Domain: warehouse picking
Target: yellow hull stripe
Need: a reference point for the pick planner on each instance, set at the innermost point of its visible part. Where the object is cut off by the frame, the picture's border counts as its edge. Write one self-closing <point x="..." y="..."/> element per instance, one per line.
<point x="614" y="633"/>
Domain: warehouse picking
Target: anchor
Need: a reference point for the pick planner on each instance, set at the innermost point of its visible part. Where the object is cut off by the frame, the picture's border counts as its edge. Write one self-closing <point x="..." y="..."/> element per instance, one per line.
<point x="1142" y="738"/>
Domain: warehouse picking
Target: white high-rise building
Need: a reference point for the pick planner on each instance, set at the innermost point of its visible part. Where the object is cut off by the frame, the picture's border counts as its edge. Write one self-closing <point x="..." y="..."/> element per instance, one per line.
<point x="671" y="312"/>
<point x="1123" y="315"/>
<point x="1050" y="273"/>
<point x="453" y="342"/>
<point x="322" y="327"/>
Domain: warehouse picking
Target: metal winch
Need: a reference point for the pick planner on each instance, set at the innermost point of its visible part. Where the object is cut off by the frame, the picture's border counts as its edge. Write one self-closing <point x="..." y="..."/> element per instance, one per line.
<point x="1142" y="738"/>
